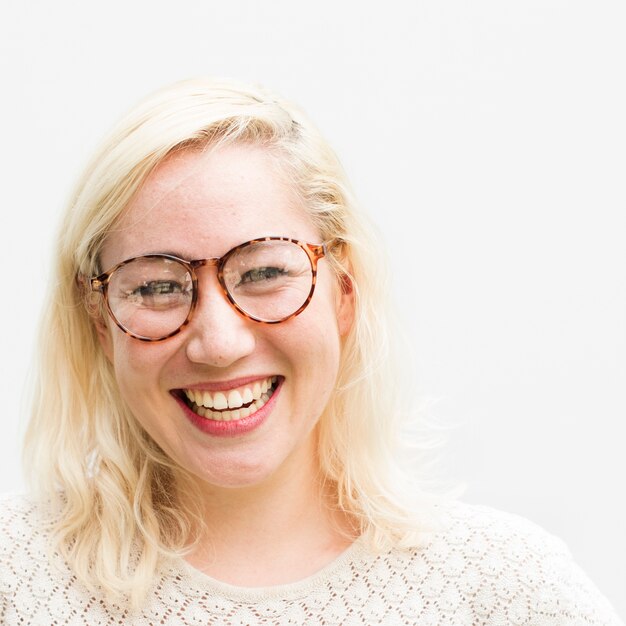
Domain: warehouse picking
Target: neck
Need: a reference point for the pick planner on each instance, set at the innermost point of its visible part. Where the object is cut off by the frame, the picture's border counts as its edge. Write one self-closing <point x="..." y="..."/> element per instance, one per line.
<point x="276" y="532"/>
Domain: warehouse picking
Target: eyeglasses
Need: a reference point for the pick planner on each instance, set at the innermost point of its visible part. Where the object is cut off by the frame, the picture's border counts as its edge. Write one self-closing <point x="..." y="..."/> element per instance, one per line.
<point x="268" y="280"/>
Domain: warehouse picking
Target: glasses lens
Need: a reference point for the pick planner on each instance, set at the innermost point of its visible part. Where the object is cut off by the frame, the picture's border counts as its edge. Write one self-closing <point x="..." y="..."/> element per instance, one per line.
<point x="269" y="280"/>
<point x="151" y="296"/>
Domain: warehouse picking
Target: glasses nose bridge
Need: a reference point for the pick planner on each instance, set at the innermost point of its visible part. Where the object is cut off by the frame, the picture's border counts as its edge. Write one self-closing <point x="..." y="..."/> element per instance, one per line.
<point x="198" y="263"/>
<point x="209" y="290"/>
<point x="210" y="262"/>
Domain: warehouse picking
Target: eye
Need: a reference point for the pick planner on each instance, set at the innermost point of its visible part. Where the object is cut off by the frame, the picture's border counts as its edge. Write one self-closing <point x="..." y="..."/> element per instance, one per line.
<point x="157" y="288"/>
<point x="261" y="274"/>
<point x="156" y="294"/>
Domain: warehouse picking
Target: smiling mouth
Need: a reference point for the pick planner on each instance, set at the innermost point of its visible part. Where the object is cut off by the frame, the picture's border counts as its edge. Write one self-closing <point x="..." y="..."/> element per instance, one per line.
<point x="233" y="404"/>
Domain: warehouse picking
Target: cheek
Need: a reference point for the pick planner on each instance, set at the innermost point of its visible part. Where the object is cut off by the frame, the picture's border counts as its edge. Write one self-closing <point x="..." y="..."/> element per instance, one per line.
<point x="137" y="369"/>
<point x="140" y="360"/>
<point x="313" y="343"/>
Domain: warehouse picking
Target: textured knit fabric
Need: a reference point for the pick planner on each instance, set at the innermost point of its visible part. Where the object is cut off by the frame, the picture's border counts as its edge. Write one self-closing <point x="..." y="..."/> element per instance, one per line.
<point x="482" y="568"/>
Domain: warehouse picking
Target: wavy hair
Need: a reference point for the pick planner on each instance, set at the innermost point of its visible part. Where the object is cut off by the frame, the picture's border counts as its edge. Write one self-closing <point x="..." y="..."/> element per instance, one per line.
<point x="118" y="512"/>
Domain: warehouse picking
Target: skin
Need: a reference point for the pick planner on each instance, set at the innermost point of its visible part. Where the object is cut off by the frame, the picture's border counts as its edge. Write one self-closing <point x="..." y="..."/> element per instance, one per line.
<point x="265" y="507"/>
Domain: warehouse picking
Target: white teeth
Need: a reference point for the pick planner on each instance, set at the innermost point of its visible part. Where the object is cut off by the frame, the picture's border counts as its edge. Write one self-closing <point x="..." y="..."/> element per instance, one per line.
<point x="234" y="399"/>
<point x="231" y="399"/>
<point x="219" y="401"/>
<point x="227" y="416"/>
<point x="207" y="400"/>
<point x="229" y="405"/>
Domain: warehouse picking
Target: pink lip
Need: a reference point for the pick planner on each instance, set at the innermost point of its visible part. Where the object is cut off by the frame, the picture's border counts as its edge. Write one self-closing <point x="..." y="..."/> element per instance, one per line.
<point x="227" y="384"/>
<point x="232" y="428"/>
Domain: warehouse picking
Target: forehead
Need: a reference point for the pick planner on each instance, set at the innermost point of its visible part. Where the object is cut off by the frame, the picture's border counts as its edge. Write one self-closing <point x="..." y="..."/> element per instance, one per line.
<point x="202" y="203"/>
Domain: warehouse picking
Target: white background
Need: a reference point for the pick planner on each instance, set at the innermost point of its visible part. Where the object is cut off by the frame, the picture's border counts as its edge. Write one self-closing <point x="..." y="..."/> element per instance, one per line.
<point x="488" y="140"/>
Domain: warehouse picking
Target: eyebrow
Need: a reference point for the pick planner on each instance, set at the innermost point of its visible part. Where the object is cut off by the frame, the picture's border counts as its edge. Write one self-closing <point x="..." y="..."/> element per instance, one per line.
<point x="168" y="252"/>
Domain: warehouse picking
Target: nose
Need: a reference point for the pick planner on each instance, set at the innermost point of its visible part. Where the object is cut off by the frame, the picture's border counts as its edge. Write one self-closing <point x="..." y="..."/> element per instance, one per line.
<point x="217" y="334"/>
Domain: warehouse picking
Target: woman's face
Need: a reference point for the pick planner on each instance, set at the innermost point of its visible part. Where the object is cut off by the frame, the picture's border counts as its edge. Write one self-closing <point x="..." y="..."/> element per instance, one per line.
<point x="200" y="205"/>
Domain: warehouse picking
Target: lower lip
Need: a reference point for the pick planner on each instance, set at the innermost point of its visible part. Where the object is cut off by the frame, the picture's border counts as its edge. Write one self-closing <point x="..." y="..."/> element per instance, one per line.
<point x="232" y="428"/>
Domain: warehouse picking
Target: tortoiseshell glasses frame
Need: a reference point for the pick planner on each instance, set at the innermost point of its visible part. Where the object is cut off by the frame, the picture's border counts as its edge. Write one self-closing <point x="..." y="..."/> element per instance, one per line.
<point x="314" y="253"/>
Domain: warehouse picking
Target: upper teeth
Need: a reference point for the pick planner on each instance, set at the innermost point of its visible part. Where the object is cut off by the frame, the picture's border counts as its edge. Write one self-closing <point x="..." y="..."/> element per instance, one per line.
<point x="232" y="399"/>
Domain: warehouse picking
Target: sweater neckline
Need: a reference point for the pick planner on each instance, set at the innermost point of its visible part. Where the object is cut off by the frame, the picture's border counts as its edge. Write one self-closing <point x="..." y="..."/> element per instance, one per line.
<point x="197" y="579"/>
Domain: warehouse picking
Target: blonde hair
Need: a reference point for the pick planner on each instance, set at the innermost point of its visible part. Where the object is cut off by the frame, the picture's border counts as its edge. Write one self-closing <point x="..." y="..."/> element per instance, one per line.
<point x="118" y="511"/>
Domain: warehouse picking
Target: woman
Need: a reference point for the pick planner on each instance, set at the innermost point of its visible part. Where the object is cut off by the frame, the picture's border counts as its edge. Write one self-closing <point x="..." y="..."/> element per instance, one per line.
<point x="214" y="436"/>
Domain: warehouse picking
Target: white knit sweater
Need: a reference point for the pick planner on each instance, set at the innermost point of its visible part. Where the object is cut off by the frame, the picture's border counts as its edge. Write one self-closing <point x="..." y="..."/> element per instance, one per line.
<point x="485" y="568"/>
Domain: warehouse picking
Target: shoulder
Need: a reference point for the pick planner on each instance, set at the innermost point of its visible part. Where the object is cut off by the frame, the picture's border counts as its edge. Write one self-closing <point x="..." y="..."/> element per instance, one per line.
<point x="29" y="576"/>
<point x="22" y="517"/>
<point x="14" y="503"/>
<point x="506" y="569"/>
<point x="24" y="538"/>
<point x="484" y="531"/>
<point x="21" y="520"/>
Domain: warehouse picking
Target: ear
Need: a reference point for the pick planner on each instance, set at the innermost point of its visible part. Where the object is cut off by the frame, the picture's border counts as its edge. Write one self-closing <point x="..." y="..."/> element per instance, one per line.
<point x="104" y="336"/>
<point x="345" y="305"/>
<point x="93" y="304"/>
